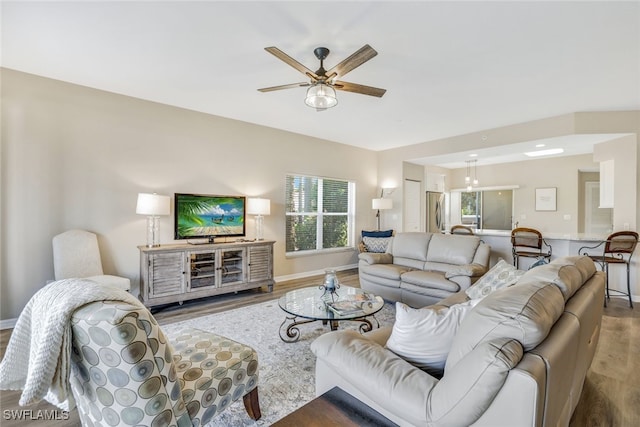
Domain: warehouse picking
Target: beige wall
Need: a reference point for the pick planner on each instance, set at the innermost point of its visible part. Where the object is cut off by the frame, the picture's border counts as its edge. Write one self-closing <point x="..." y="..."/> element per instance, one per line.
<point x="74" y="157"/>
<point x="77" y="157"/>
<point x="558" y="172"/>
<point x="625" y="149"/>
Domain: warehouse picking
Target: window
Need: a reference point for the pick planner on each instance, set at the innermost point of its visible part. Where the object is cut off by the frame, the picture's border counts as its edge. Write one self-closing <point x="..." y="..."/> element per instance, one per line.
<point x="319" y="213"/>
<point x="487" y="209"/>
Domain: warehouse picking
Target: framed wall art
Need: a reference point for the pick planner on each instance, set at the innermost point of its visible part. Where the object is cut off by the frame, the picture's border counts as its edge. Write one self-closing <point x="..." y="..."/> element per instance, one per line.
<point x="546" y="199"/>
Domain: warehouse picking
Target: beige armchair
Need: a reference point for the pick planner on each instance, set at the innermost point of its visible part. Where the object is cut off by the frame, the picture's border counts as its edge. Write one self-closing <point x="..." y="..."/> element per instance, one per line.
<point x="125" y="371"/>
<point x="76" y="255"/>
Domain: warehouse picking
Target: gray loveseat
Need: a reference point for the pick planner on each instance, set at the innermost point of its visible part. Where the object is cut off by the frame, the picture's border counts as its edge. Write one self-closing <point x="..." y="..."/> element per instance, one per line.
<point x="519" y="357"/>
<point x="423" y="268"/>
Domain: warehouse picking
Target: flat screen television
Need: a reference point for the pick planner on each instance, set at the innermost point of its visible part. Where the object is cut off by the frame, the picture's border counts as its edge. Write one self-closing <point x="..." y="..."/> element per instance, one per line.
<point x="203" y="216"/>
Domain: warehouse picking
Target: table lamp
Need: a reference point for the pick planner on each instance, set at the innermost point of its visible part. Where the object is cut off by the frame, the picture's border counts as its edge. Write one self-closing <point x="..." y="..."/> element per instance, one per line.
<point x="381" y="204"/>
<point x="259" y="207"/>
<point x="153" y="205"/>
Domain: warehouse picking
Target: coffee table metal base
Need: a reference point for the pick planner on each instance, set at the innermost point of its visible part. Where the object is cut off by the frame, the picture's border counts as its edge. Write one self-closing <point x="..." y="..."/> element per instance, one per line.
<point x="291" y="333"/>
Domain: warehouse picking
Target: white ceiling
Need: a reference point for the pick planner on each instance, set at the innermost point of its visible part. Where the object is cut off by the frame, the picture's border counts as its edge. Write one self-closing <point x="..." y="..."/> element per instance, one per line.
<point x="450" y="68"/>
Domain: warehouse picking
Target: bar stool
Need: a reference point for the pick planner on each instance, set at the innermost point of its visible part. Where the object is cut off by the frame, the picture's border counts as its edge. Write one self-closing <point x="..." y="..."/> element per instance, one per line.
<point x="527" y="242"/>
<point x="462" y="229"/>
<point x="618" y="249"/>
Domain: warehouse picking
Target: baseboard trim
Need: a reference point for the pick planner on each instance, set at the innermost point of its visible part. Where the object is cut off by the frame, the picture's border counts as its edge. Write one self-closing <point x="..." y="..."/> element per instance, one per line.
<point x="8" y="323"/>
<point x="311" y="273"/>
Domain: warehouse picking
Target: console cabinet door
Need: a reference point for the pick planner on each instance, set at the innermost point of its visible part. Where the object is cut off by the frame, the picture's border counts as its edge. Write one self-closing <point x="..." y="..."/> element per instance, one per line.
<point x="260" y="263"/>
<point x="166" y="274"/>
<point x="232" y="266"/>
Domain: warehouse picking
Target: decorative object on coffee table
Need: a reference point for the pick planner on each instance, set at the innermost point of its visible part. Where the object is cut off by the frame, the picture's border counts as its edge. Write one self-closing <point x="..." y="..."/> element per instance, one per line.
<point x="309" y="305"/>
<point x="330" y="285"/>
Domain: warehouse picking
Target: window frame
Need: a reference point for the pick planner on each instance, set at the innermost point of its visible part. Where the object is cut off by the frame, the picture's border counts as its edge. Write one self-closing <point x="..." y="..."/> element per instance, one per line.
<point x="320" y="215"/>
<point x="479" y="215"/>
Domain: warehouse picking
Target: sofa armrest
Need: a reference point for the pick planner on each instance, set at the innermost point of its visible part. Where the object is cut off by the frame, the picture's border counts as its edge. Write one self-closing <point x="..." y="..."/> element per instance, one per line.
<point x="375" y="372"/>
<point x="467" y="389"/>
<point x="376" y="258"/>
<point x="469" y="270"/>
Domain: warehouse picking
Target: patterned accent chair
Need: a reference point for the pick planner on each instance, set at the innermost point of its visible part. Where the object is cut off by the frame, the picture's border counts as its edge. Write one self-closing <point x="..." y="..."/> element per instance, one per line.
<point x="126" y="372"/>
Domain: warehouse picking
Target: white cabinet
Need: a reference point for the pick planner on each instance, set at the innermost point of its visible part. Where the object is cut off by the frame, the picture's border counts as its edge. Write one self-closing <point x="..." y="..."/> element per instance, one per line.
<point x="177" y="273"/>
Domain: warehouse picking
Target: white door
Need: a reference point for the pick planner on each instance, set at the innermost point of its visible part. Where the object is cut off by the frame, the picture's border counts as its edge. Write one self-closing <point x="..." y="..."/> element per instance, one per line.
<point x="412" y="214"/>
<point x="596" y="220"/>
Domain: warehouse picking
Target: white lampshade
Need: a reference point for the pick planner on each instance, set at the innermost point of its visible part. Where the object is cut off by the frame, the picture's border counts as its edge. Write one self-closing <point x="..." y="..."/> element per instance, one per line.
<point x="321" y="96"/>
<point x="381" y="204"/>
<point x="153" y="204"/>
<point x="257" y="206"/>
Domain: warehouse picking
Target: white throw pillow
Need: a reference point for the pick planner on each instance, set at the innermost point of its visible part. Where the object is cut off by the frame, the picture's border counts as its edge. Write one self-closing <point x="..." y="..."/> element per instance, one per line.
<point x="423" y="336"/>
<point x="376" y="244"/>
<point x="499" y="276"/>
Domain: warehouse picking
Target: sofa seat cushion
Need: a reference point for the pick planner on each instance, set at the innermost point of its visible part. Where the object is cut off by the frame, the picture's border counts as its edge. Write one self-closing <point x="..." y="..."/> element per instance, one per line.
<point x="430" y="279"/>
<point x="423" y="336"/>
<point x="439" y="266"/>
<point x="385" y="271"/>
<point x="567" y="273"/>
<point x="524" y="312"/>
<point x="452" y="249"/>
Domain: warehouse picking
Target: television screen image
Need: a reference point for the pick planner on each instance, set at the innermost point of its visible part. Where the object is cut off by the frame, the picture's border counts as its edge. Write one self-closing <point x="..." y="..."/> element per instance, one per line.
<point x="206" y="216"/>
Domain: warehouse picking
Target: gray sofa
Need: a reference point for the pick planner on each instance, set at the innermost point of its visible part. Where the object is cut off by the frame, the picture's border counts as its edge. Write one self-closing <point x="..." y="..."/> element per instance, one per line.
<point x="519" y="357"/>
<point x="420" y="269"/>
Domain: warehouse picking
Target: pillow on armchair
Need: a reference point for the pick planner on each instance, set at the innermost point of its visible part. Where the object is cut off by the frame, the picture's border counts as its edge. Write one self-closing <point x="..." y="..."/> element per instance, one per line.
<point x="376" y="244"/>
<point x="375" y="241"/>
<point x="499" y="276"/>
<point x="378" y="233"/>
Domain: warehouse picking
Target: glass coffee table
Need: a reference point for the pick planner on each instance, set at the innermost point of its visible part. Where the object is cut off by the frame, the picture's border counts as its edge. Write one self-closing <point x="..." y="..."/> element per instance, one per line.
<point x="311" y="304"/>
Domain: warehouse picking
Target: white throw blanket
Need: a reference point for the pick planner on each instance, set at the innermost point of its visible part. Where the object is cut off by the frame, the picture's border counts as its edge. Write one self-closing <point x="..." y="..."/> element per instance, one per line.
<point x="38" y="357"/>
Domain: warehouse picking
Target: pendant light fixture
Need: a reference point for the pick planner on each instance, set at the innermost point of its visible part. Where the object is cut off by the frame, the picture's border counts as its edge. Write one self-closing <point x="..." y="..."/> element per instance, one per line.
<point x="321" y="96"/>
<point x="470" y="183"/>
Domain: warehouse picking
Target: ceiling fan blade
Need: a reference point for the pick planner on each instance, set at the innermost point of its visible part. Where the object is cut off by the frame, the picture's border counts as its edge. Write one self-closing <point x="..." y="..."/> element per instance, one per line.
<point x="358" y="58"/>
<point x="289" y="60"/>
<point x="356" y="88"/>
<point x="289" y="86"/>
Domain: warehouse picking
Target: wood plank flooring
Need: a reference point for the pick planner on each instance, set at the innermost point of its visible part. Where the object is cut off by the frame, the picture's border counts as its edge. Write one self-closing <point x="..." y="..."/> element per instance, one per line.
<point x="611" y="395"/>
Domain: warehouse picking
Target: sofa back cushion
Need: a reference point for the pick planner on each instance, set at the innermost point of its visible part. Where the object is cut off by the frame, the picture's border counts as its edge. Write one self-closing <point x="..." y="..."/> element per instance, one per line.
<point x="411" y="246"/>
<point x="524" y="312"/>
<point x="452" y="249"/>
<point x="567" y="273"/>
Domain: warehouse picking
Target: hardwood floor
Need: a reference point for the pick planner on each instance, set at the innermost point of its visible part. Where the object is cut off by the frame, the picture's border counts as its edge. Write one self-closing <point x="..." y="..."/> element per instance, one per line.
<point x="611" y="394"/>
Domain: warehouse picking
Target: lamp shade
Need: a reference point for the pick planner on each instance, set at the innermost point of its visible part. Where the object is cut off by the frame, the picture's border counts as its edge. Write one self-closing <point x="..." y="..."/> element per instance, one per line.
<point x="321" y="96"/>
<point x="381" y="204"/>
<point x="257" y="206"/>
<point x="153" y="204"/>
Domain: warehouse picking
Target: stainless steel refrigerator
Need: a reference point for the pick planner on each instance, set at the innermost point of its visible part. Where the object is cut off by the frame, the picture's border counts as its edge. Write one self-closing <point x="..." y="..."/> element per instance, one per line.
<point x="435" y="212"/>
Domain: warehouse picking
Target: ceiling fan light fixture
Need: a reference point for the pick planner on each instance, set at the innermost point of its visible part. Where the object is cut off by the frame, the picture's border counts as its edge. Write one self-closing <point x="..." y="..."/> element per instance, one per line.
<point x="321" y="96"/>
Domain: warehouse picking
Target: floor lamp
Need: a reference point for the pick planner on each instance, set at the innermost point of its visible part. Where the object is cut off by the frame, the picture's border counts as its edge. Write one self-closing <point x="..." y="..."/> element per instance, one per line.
<point x="259" y="208"/>
<point x="153" y="205"/>
<point x="381" y="204"/>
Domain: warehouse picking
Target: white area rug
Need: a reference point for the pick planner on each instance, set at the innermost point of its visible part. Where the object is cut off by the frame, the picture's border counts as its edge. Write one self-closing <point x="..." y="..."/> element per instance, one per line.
<point x="287" y="370"/>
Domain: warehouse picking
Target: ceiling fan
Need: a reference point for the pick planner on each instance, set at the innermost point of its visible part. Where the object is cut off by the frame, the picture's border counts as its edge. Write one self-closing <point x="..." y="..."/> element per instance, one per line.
<point x="323" y="83"/>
